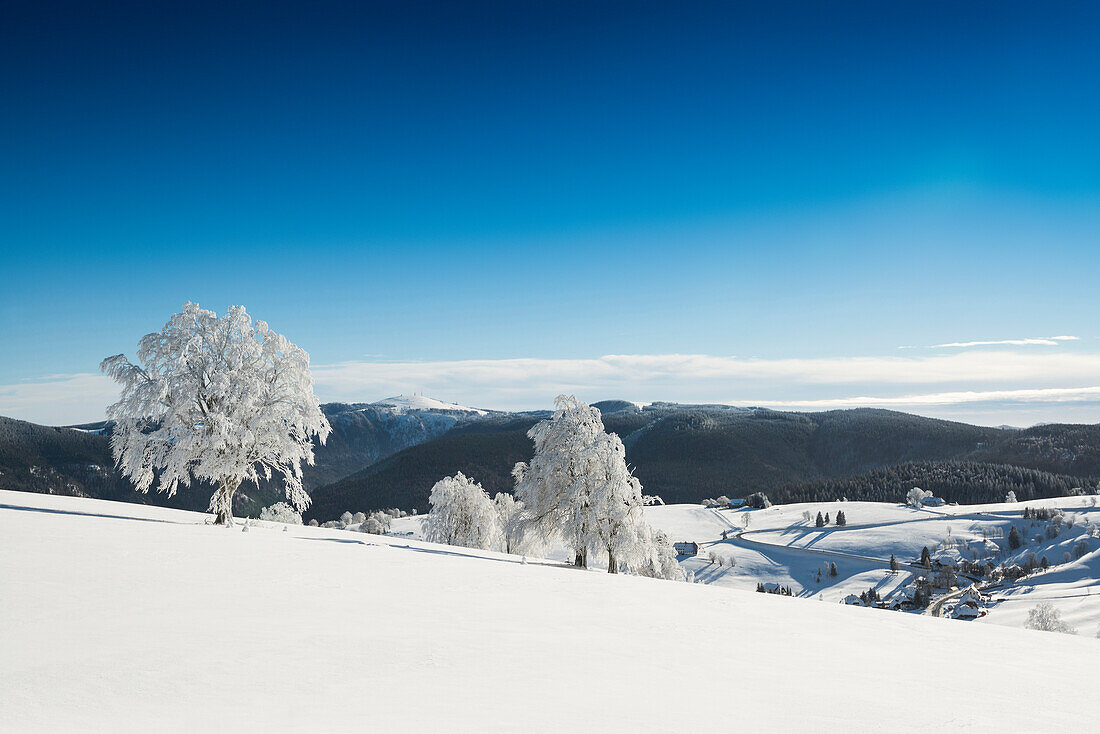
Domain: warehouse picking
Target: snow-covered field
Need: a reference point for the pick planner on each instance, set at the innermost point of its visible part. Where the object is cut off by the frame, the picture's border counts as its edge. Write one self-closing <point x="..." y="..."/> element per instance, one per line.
<point x="780" y="546"/>
<point x="119" y="617"/>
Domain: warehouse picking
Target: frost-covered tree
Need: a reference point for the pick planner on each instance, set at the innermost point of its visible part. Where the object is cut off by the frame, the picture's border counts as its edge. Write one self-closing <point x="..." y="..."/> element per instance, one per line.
<point x="1010" y="497"/>
<point x="578" y="487"/>
<point x="376" y="523"/>
<point x="281" y="512"/>
<point x="1046" y="618"/>
<point x="462" y="514"/>
<point x="660" y="561"/>
<point x="555" y="487"/>
<point x="916" y="496"/>
<point x="618" y="528"/>
<point x="758" y="500"/>
<point x="507" y="516"/>
<point x="219" y="399"/>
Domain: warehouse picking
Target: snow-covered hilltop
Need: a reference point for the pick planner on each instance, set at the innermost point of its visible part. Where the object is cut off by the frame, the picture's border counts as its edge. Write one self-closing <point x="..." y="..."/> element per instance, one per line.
<point x="137" y="618"/>
<point x="421" y="402"/>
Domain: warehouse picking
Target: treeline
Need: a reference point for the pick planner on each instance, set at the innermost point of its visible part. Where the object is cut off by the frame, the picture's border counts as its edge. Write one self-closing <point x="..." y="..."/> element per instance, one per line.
<point x="964" y="482"/>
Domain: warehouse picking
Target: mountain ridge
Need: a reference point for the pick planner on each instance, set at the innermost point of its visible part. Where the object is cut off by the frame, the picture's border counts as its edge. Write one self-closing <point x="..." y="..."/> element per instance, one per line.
<point x="385" y="455"/>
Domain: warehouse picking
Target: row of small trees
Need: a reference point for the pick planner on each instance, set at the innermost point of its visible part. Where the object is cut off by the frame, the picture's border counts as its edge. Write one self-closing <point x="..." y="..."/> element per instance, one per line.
<point x="822" y="521"/>
<point x="577" y="489"/>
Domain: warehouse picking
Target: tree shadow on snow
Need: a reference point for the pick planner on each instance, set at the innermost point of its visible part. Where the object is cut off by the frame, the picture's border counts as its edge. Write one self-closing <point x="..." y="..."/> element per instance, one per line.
<point x="78" y="513"/>
<point x="442" y="552"/>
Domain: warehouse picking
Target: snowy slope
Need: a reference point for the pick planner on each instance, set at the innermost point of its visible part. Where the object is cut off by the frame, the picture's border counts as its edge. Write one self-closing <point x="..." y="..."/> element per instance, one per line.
<point x="781" y="547"/>
<point x="119" y="617"/>
<point x="420" y="402"/>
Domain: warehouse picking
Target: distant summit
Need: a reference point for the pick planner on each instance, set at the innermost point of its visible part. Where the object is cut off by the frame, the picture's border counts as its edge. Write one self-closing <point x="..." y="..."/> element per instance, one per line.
<point x="421" y="402"/>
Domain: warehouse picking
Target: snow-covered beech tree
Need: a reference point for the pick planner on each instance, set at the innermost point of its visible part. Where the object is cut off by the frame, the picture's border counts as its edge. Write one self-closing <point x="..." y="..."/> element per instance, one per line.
<point x="507" y="517"/>
<point x="660" y="561"/>
<point x="616" y="524"/>
<point x="554" y="486"/>
<point x="281" y="512"/>
<point x="916" y="496"/>
<point x="377" y="523"/>
<point x="1010" y="497"/>
<point x="462" y="514"/>
<point x="1046" y="618"/>
<point x="221" y="399"/>
<point x="578" y="487"/>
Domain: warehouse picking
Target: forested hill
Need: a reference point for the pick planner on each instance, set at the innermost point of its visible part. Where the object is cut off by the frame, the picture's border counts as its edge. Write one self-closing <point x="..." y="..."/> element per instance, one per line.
<point x="380" y="457"/>
<point x="963" y="482"/>
<point x="69" y="461"/>
<point x="77" y="460"/>
<point x="686" y="453"/>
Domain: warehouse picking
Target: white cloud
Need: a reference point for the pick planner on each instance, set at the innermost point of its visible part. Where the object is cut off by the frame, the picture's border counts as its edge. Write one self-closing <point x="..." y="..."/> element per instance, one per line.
<point x="1041" y="395"/>
<point x="59" y="399"/>
<point x="532" y="382"/>
<point x="986" y="378"/>
<point x="1049" y="341"/>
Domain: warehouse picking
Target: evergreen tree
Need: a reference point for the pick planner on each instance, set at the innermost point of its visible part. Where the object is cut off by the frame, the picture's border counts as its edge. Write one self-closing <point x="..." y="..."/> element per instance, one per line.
<point x="820" y="522"/>
<point x="832" y="570"/>
<point x="893" y="563"/>
<point x="1014" y="538"/>
<point x="840" y="519"/>
<point x="826" y="518"/>
<point x="925" y="557"/>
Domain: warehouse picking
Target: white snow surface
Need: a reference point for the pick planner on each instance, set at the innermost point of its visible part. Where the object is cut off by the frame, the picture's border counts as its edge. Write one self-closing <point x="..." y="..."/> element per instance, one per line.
<point x="420" y="402"/>
<point x="120" y="617"/>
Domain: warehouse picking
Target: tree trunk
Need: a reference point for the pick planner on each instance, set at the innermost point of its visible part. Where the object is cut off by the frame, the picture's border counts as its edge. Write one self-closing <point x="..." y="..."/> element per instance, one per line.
<point x="612" y="564"/>
<point x="582" y="558"/>
<point x="223" y="502"/>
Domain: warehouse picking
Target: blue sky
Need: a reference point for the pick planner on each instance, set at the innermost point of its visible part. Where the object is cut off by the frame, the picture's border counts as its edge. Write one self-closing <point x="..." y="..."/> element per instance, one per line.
<point x="503" y="194"/>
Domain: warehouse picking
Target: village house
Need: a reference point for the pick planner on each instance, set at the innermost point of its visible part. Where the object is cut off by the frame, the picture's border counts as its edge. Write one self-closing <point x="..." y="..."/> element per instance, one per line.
<point x="686" y="548"/>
